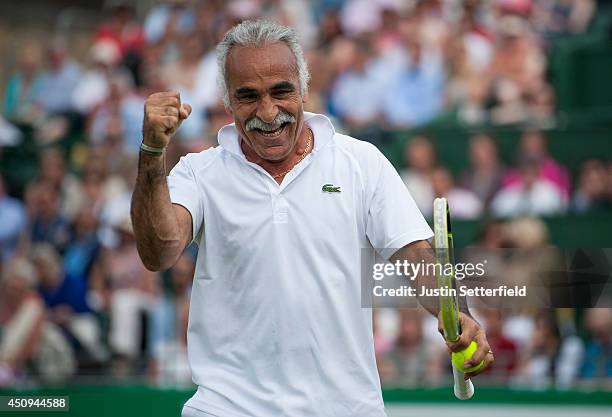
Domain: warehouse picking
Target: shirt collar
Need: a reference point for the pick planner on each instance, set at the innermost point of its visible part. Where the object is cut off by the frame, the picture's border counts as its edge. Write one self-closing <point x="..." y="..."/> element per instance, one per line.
<point x="321" y="126"/>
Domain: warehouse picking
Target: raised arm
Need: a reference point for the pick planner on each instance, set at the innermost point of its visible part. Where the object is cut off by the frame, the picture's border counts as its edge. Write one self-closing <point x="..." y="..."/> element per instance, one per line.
<point x="162" y="229"/>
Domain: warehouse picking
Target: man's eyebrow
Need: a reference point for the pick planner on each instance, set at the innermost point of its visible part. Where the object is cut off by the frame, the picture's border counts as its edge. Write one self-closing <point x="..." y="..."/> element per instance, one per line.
<point x="244" y="90"/>
<point x="283" y="85"/>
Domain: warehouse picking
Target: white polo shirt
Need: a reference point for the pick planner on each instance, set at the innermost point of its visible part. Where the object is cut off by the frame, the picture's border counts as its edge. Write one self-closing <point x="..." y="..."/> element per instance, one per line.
<point x="276" y="326"/>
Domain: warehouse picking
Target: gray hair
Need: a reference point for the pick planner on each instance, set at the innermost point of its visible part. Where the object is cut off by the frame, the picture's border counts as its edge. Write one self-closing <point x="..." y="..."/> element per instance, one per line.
<point x="23" y="269"/>
<point x="257" y="33"/>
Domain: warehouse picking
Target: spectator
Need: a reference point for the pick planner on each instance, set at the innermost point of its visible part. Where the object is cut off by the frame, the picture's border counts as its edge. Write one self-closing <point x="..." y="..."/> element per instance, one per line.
<point x="168" y="342"/>
<point x="83" y="246"/>
<point x="415" y="94"/>
<point x="94" y="86"/>
<point x="169" y="20"/>
<point x="24" y="87"/>
<point x="21" y="320"/>
<point x="434" y="22"/>
<point x="339" y="58"/>
<point x="319" y="81"/>
<point x="13" y="215"/>
<point x="541" y="102"/>
<point x="218" y="117"/>
<point x="486" y="171"/>
<point x="123" y="106"/>
<point x="206" y="91"/>
<point x="469" y="81"/>
<point x="46" y="223"/>
<point x="382" y="345"/>
<point x="116" y="204"/>
<point x="10" y="135"/>
<point x="330" y="28"/>
<point x="297" y="14"/>
<point x="506" y="351"/>
<point x="476" y="39"/>
<point x="530" y="196"/>
<point x="98" y="186"/>
<point x="492" y="235"/>
<point x="518" y="66"/>
<point x="58" y="80"/>
<point x="420" y="159"/>
<point x="559" y="17"/>
<point x="182" y="75"/>
<point x="387" y="36"/>
<point x="355" y="95"/>
<point x="123" y="30"/>
<point x="519" y="328"/>
<point x="592" y="191"/>
<point x="382" y="340"/>
<point x="52" y="169"/>
<point x="526" y="233"/>
<point x="514" y="7"/>
<point x="361" y="16"/>
<point x="413" y="359"/>
<point x="110" y="137"/>
<point x="533" y="146"/>
<point x="531" y="262"/>
<point x="464" y="203"/>
<point x="598" y="358"/>
<point x="551" y="360"/>
<point x="210" y="17"/>
<point x="128" y="292"/>
<point x="65" y="297"/>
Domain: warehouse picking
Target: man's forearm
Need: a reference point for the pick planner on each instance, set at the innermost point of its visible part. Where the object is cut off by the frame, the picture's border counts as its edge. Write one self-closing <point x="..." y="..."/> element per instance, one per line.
<point x="422" y="252"/>
<point x="155" y="223"/>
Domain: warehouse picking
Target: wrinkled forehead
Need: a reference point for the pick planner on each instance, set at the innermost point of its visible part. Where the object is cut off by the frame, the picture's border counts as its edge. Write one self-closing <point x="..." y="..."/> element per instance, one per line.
<point x="260" y="66"/>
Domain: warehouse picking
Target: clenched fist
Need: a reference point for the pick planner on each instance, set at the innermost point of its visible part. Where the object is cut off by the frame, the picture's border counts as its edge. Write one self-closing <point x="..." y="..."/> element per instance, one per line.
<point x="163" y="114"/>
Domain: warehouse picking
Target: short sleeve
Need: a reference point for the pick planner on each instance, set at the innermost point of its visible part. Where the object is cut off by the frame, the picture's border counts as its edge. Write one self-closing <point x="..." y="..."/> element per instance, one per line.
<point x="184" y="190"/>
<point x="394" y="219"/>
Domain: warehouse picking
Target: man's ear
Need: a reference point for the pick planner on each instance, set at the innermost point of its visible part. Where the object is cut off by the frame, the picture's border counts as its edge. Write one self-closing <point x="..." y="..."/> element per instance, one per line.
<point x="305" y="97"/>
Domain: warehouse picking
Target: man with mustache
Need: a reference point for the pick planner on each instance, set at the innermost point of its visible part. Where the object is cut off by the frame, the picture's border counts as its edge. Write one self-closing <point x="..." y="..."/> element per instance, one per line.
<point x="281" y="211"/>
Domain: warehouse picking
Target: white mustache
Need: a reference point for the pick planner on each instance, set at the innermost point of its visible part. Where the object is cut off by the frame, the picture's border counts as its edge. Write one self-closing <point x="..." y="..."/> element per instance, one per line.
<point x="281" y="118"/>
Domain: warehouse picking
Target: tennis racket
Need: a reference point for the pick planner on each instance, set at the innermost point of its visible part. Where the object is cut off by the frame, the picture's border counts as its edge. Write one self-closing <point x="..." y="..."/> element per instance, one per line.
<point x="449" y="307"/>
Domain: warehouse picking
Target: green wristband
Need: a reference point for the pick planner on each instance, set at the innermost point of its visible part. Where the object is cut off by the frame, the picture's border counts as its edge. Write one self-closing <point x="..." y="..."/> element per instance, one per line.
<point x="151" y="149"/>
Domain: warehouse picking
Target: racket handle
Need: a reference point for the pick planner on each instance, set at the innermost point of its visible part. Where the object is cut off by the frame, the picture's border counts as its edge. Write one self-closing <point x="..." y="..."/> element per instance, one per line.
<point x="464" y="389"/>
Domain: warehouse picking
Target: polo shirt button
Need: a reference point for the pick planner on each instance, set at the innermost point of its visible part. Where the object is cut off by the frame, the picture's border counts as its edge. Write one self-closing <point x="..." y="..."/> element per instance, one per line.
<point x="281" y="209"/>
<point x="281" y="217"/>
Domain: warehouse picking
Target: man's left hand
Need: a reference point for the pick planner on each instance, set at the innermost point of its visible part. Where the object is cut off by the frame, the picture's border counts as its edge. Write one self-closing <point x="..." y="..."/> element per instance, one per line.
<point x="470" y="330"/>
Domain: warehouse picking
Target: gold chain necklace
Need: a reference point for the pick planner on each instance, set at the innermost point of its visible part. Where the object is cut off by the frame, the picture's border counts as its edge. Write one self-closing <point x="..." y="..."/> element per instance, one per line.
<point x="306" y="150"/>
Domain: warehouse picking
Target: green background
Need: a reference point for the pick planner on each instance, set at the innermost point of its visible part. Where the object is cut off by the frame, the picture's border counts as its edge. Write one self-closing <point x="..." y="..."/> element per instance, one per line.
<point x="138" y="400"/>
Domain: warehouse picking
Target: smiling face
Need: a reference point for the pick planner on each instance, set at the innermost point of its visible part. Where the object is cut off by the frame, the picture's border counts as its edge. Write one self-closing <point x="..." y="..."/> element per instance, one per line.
<point x="265" y="99"/>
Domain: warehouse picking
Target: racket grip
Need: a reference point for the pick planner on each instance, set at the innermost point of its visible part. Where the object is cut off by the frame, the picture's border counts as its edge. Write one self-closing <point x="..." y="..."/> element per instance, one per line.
<point x="464" y="389"/>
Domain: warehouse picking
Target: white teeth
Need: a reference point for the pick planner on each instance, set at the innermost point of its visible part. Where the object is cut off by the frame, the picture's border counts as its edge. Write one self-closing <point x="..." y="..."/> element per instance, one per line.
<point x="272" y="133"/>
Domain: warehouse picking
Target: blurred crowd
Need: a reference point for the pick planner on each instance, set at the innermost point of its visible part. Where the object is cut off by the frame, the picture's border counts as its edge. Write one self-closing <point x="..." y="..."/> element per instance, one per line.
<point x="75" y="298"/>
<point x="399" y="63"/>
<point x="537" y="185"/>
<point x="535" y="347"/>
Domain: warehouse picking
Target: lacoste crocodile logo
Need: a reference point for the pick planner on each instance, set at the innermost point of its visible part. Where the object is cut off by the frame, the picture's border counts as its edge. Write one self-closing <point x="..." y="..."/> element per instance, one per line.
<point x="329" y="188"/>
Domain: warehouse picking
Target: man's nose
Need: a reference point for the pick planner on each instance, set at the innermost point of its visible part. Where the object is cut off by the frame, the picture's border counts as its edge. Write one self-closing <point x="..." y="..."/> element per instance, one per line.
<point x="267" y="110"/>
